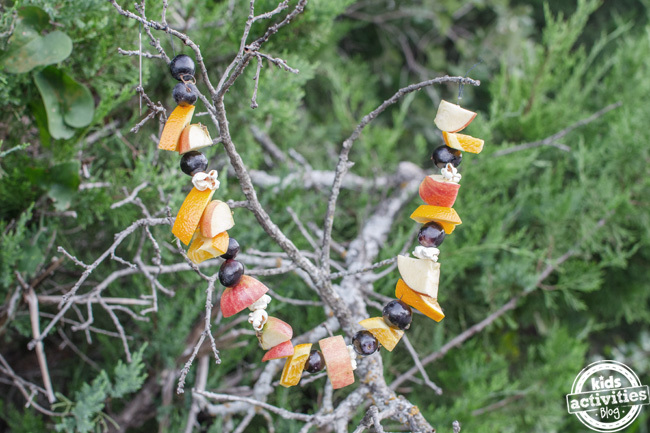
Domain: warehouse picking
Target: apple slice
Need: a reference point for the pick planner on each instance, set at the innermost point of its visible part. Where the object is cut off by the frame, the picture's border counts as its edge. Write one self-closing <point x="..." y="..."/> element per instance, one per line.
<point x="242" y="295"/>
<point x="176" y="122"/>
<point x="203" y="248"/>
<point x="435" y="190"/>
<point x="423" y="303"/>
<point x="294" y="366"/>
<point x="194" y="137"/>
<point x="337" y="360"/>
<point x="189" y="215"/>
<point x="422" y="275"/>
<point x="275" y="332"/>
<point x="282" y="350"/>
<point x="463" y="142"/>
<point x="216" y="245"/>
<point x="452" y="117"/>
<point x="387" y="336"/>
<point x="216" y="218"/>
<point x="445" y="216"/>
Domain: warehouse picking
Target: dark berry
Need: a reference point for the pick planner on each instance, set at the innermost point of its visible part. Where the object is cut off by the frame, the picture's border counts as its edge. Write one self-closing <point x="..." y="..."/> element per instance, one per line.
<point x="233" y="250"/>
<point x="398" y="315"/>
<point x="444" y="155"/>
<point x="315" y="362"/>
<point x="185" y="94"/>
<point x="365" y="343"/>
<point x="431" y="235"/>
<point x="193" y="162"/>
<point x="230" y="272"/>
<point x="182" y="67"/>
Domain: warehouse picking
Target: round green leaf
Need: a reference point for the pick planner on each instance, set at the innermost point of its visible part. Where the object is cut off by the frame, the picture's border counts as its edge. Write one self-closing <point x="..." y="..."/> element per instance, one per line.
<point x="50" y="83"/>
<point x="42" y="50"/>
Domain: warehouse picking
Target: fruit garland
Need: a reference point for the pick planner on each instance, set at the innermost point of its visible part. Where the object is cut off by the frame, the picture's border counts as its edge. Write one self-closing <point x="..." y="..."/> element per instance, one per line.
<point x="203" y="224"/>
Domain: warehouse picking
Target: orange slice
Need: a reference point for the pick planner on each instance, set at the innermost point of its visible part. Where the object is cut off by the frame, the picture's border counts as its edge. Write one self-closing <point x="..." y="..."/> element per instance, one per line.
<point x="190" y="213"/>
<point x="445" y="216"/>
<point x="203" y="248"/>
<point x="294" y="366"/>
<point x="176" y="122"/>
<point x="463" y="142"/>
<point x="423" y="303"/>
<point x="387" y="336"/>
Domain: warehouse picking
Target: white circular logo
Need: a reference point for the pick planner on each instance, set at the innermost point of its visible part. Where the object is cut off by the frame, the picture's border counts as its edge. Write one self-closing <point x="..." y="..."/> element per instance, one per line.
<point x="607" y="396"/>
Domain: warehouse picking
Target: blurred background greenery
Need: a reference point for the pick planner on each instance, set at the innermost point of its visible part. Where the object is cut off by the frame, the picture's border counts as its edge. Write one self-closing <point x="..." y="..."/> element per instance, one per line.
<point x="67" y="102"/>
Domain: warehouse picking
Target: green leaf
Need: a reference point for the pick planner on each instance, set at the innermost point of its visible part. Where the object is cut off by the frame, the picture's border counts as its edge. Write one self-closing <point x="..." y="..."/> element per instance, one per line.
<point x="34" y="17"/>
<point x="40" y="51"/>
<point x="67" y="102"/>
<point x="64" y="183"/>
<point x="50" y="85"/>
<point x="78" y="103"/>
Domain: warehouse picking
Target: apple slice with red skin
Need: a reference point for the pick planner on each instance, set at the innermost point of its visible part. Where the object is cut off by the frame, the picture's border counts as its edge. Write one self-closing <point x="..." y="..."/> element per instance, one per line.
<point x="337" y="360"/>
<point x="435" y="190"/>
<point x="216" y="218"/>
<point x="242" y="295"/>
<point x="194" y="137"/>
<point x="274" y="332"/>
<point x="452" y="118"/>
<point x="282" y="350"/>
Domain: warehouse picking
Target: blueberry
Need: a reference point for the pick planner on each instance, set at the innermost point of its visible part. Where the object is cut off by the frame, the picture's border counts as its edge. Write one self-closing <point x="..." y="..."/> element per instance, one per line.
<point x="315" y="362"/>
<point x="193" y="162"/>
<point x="365" y="343"/>
<point x="230" y="272"/>
<point x="185" y="94"/>
<point x="398" y="315"/>
<point x="431" y="235"/>
<point x="182" y="67"/>
<point x="444" y="155"/>
<point x="233" y="250"/>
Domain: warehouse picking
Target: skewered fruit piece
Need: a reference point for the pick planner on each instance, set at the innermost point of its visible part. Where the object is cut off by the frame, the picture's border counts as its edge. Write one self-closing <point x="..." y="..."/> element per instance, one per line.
<point x="189" y="215"/>
<point x="423" y="303"/>
<point x="203" y="248"/>
<point x="176" y="122"/>
<point x="216" y="218"/>
<point x="315" y="362"/>
<point x="397" y="315"/>
<point x="185" y="94"/>
<point x="387" y="336"/>
<point x="275" y="332"/>
<point x="421" y="275"/>
<point x="230" y="272"/>
<point x="463" y="142"/>
<point x="443" y="155"/>
<point x="452" y="118"/>
<point x="338" y="361"/>
<point x="445" y="216"/>
<point x="294" y="366"/>
<point x="194" y="137"/>
<point x="435" y="190"/>
<point x="239" y="297"/>
<point x="365" y="343"/>
<point x="182" y="67"/>
<point x="233" y="249"/>
<point x="431" y="235"/>
<point x="282" y="350"/>
<point x="193" y="162"/>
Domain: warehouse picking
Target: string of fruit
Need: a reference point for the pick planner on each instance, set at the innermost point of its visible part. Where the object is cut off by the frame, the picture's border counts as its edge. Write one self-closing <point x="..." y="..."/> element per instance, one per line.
<point x="203" y="224"/>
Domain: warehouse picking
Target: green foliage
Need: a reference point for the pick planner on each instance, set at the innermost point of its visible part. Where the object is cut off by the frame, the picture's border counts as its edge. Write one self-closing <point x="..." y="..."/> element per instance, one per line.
<point x="84" y="414"/>
<point x="545" y="66"/>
